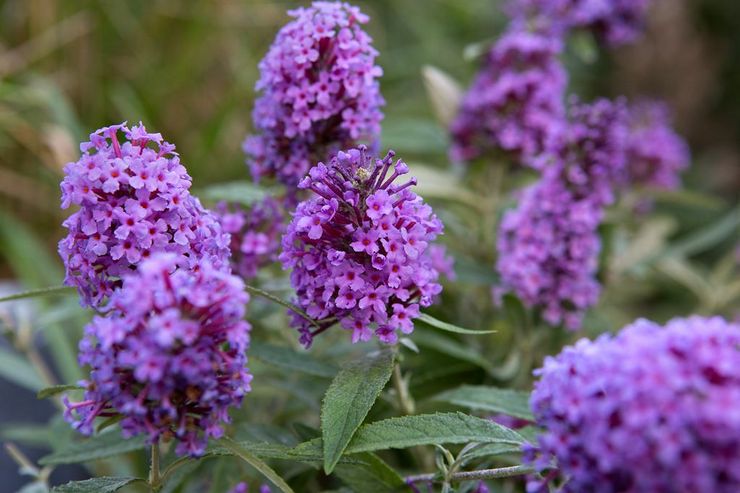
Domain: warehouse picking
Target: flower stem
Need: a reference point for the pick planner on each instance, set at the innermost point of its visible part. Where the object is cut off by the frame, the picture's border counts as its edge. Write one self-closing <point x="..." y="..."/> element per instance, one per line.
<point x="405" y="402"/>
<point x="496" y="473"/>
<point x="155" y="479"/>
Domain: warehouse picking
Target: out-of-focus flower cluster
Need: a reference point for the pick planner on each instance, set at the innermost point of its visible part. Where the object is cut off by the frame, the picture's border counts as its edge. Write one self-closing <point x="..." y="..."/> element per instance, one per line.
<point x="134" y="200"/>
<point x="360" y="249"/>
<point x="548" y="251"/>
<point x="320" y="92"/>
<point x="549" y="244"/>
<point x="651" y="409"/>
<point x="515" y="103"/>
<point x="656" y="155"/>
<point x="612" y="21"/>
<point x="170" y="356"/>
<point x="255" y="234"/>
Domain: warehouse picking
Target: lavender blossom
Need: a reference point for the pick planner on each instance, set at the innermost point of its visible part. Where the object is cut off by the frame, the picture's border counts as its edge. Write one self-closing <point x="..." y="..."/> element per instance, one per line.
<point x="515" y="104"/>
<point x="360" y="249"/>
<point x="255" y="234"/>
<point x="170" y="355"/>
<point x="548" y="251"/>
<point x="656" y="155"/>
<point x="320" y="92"/>
<point x="549" y="245"/>
<point x="134" y="200"/>
<point x="613" y="21"/>
<point x="651" y="409"/>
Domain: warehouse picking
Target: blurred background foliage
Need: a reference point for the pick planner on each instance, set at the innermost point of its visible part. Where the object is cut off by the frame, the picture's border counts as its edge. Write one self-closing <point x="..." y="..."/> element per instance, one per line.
<point x="187" y="69"/>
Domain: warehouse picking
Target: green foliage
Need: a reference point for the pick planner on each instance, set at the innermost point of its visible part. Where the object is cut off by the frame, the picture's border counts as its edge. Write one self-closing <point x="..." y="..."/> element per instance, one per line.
<point x="55" y="390"/>
<point x="291" y="360"/>
<point x="95" y="485"/>
<point x="348" y="400"/>
<point x="254" y="461"/>
<point x="17" y="370"/>
<point x="492" y="399"/>
<point x="430" y="429"/>
<point x="101" y="446"/>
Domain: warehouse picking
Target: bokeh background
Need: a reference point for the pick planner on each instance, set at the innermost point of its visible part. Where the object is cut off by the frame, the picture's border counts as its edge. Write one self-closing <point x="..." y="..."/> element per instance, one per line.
<point x="187" y="69"/>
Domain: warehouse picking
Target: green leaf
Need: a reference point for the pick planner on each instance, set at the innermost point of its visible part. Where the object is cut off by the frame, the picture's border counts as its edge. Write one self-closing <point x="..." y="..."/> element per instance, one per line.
<point x="276" y="299"/>
<point x="430" y="429"/>
<point x="98" y="447"/>
<point x="56" y="389"/>
<point x="95" y="485"/>
<point x="705" y="238"/>
<point x="291" y="360"/>
<point x="348" y="400"/>
<point x="452" y="348"/>
<point x="429" y="320"/>
<point x="244" y="454"/>
<point x="35" y="293"/>
<point x="491" y="449"/>
<point x="372" y="476"/>
<point x="483" y="398"/>
<point x="29" y="434"/>
<point x="19" y="371"/>
<point x="414" y="135"/>
<point x="239" y="192"/>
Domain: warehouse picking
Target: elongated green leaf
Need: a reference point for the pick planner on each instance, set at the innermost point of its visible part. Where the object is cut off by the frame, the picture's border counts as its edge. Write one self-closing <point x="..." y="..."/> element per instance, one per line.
<point x="309" y="452"/>
<point x="705" y="238"/>
<point x="19" y="371"/>
<point x="54" y="390"/>
<point x="430" y="429"/>
<point x="491" y="449"/>
<point x="484" y="398"/>
<point x="239" y="192"/>
<point x="28" y="434"/>
<point x="348" y="400"/>
<point x="95" y="485"/>
<point x="451" y="347"/>
<point x="98" y="447"/>
<point x="257" y="463"/>
<point x="429" y="320"/>
<point x="372" y="476"/>
<point x="35" y="293"/>
<point x="292" y="360"/>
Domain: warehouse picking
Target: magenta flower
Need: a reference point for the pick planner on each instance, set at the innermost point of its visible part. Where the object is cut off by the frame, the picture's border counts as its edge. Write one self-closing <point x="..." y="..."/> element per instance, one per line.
<point x="650" y="409"/>
<point x="133" y="200"/>
<point x="339" y="249"/>
<point x="169" y="357"/>
<point x="320" y="92"/>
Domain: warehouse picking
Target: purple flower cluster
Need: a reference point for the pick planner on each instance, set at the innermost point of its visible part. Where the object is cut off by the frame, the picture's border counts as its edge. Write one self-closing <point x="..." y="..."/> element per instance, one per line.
<point x="134" y="200"/>
<point x="515" y="103"/>
<point x="255" y="234"/>
<point x="656" y="155"/>
<point x="549" y="245"/>
<point x="170" y="356"/>
<point x="360" y="249"/>
<point x="590" y="153"/>
<point x="650" y="410"/>
<point x="613" y="21"/>
<point x="320" y="92"/>
<point x="548" y="251"/>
